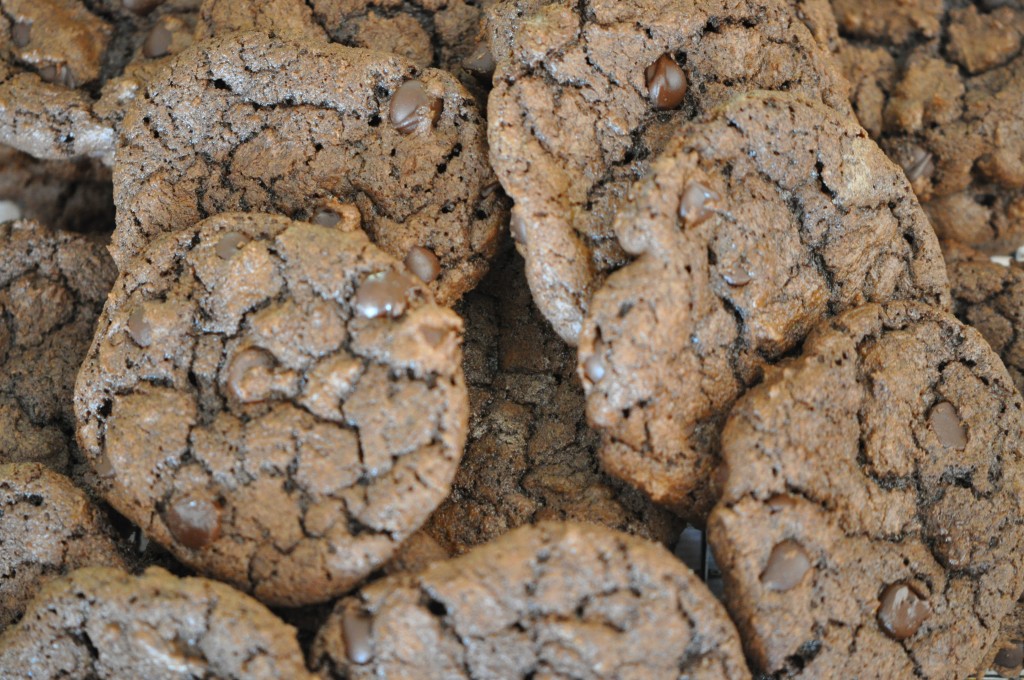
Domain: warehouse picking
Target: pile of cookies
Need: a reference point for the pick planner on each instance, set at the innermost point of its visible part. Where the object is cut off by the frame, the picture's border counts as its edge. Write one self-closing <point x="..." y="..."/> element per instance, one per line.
<point x="415" y="338"/>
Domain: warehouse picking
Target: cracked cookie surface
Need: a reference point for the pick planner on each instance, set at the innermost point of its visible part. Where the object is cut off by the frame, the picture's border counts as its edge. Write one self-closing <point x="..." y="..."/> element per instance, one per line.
<point x="939" y="84"/>
<point x="249" y="122"/>
<point x="103" y="623"/>
<point x="52" y="288"/>
<point x="278" y="403"/>
<point x="872" y="509"/>
<point x="753" y="225"/>
<point x="1006" y="657"/>
<point x="586" y="93"/>
<point x="553" y="600"/>
<point x="48" y="527"/>
<point x="530" y="455"/>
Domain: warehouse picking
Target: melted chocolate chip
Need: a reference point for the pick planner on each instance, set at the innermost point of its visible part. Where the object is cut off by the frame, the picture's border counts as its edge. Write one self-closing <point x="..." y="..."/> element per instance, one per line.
<point x="480" y="61"/>
<point x="158" y="42"/>
<point x="1012" y="656"/>
<point x="666" y="83"/>
<point x="423" y="263"/>
<point x="921" y="164"/>
<point x="594" y="368"/>
<point x="384" y="293"/>
<point x="140" y="329"/>
<point x="104" y="468"/>
<point x="902" y="611"/>
<point x="698" y="204"/>
<point x="142" y="7"/>
<point x="194" y="522"/>
<point x="786" y="566"/>
<point x="326" y="218"/>
<point x="945" y="423"/>
<point x="229" y="245"/>
<point x="517" y="227"/>
<point x="736" y="276"/>
<point x="21" y="33"/>
<point x="411" y="105"/>
<point x="248" y="375"/>
<point x="58" y="74"/>
<point x="356" y="627"/>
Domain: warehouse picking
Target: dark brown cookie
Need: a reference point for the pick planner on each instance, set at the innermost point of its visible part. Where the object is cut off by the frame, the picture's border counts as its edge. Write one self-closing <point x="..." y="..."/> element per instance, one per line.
<point x="52" y="287"/>
<point x="553" y="601"/>
<point x="939" y="84"/>
<point x="103" y="623"/>
<point x="249" y="122"/>
<point x="282" y="18"/>
<point x="754" y="225"/>
<point x="47" y="528"/>
<point x="66" y="68"/>
<point x="989" y="297"/>
<point x="872" y="519"/>
<point x="530" y="455"/>
<point x="278" y="403"/>
<point x="75" y="195"/>
<point x="587" y="92"/>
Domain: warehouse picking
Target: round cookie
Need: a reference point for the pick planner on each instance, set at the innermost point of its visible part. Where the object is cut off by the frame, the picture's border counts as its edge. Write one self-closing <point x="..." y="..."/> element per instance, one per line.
<point x="872" y="517"/>
<point x="989" y="297"/>
<point x="586" y="93"/>
<point x="57" y="55"/>
<point x="103" y="623"/>
<point x="939" y="84"/>
<point x="530" y="455"/>
<point x="52" y="288"/>
<point x="774" y="213"/>
<point x="553" y="600"/>
<point x="278" y="403"/>
<point x="249" y="122"/>
<point x="48" y="527"/>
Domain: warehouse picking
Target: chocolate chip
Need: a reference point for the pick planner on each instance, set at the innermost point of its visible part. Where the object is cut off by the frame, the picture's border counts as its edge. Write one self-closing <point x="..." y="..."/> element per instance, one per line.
<point x="1012" y="656"/>
<point x="229" y="245"/>
<point x="411" y="105"/>
<point x="902" y="611"/>
<point x="194" y="522"/>
<point x="21" y="33"/>
<point x="142" y="7"/>
<point x="158" y="42"/>
<point x="104" y="468"/>
<point x="594" y="368"/>
<point x="921" y="164"/>
<point x="58" y="74"/>
<point x="952" y="546"/>
<point x="248" y="375"/>
<point x="698" y="204"/>
<point x="786" y="566"/>
<point x="356" y="627"/>
<point x="480" y="61"/>
<point x="736" y="276"/>
<point x="666" y="83"/>
<point x="946" y="425"/>
<point x="517" y="227"/>
<point x="140" y="329"/>
<point x="423" y="263"/>
<point x="384" y="293"/>
<point x="326" y="218"/>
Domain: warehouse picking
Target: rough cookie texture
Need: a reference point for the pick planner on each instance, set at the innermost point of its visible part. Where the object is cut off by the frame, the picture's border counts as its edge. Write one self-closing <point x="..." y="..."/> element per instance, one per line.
<point x="253" y="123"/>
<point x="572" y="125"/>
<point x="47" y="528"/>
<point x="57" y="55"/>
<point x="278" y="403"/>
<point x="530" y="455"/>
<point x="52" y="287"/>
<point x="103" y="623"/>
<point x="989" y="297"/>
<point x="1006" y="658"/>
<point x="75" y="195"/>
<point x="553" y="600"/>
<point x="790" y="215"/>
<point x="282" y="18"/>
<point x="939" y="84"/>
<point x="872" y="519"/>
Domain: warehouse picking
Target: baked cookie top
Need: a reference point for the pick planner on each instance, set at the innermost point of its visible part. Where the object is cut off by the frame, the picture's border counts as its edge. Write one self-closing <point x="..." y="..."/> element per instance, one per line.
<point x="278" y="403"/>
<point x="871" y="515"/>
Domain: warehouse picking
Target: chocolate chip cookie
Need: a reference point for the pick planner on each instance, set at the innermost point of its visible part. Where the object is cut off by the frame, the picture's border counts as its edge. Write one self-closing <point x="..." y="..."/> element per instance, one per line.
<point x="872" y="518"/>
<point x="282" y="18"/>
<point x="48" y="527"/>
<point x="249" y="122"/>
<point x="939" y="84"/>
<point x="530" y="455"/>
<point x="103" y="623"/>
<point x="553" y="600"/>
<point x="59" y="58"/>
<point x="1007" y="656"/>
<point x="52" y="288"/>
<point x="989" y="297"/>
<point x="754" y="225"/>
<point x="278" y="403"/>
<point x="586" y="93"/>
